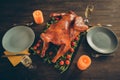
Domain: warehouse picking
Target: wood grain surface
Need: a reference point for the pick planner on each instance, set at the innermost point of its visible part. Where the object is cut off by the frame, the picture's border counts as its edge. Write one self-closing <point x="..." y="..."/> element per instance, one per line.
<point x="19" y="12"/>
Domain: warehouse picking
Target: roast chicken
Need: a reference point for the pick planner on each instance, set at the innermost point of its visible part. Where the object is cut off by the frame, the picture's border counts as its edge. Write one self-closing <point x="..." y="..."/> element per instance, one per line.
<point x="62" y="33"/>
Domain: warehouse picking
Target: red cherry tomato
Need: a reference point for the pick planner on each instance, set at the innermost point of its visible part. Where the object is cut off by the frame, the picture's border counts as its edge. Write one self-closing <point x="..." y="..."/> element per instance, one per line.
<point x="71" y="50"/>
<point x="50" y="53"/>
<point x="73" y="43"/>
<point x="67" y="62"/>
<point x="68" y="56"/>
<point x="38" y="52"/>
<point x="56" y="18"/>
<point x="35" y="47"/>
<point x="38" y="44"/>
<point x="76" y="39"/>
<point x="61" y="62"/>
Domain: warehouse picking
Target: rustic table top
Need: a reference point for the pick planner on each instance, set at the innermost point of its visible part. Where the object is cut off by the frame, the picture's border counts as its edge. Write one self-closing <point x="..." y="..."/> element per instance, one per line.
<point x="19" y="12"/>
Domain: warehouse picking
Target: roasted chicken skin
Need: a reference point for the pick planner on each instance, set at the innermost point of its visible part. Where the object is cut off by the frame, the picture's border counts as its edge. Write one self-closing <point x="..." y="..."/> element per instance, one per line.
<point x="62" y="33"/>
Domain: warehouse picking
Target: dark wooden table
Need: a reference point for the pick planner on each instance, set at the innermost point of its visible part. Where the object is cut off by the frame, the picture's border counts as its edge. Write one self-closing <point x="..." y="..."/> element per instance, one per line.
<point x="19" y="12"/>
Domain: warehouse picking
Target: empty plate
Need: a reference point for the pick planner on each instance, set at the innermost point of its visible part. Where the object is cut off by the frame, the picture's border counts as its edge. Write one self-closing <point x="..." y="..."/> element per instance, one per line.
<point x="102" y="40"/>
<point x="18" y="39"/>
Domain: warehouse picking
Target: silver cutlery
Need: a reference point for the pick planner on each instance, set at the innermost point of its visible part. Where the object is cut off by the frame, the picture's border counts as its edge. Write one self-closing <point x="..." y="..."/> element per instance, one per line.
<point x="11" y="55"/>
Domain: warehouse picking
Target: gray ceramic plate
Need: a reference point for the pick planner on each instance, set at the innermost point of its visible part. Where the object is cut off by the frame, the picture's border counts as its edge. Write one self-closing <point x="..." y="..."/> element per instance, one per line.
<point x="18" y="39"/>
<point x="102" y="40"/>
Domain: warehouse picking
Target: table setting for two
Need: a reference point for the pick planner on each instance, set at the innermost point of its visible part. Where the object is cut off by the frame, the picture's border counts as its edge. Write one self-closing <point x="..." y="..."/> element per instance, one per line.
<point x="59" y="41"/>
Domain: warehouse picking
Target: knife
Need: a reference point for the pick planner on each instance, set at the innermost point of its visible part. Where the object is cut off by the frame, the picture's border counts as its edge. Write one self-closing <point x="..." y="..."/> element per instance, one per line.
<point x="11" y="55"/>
